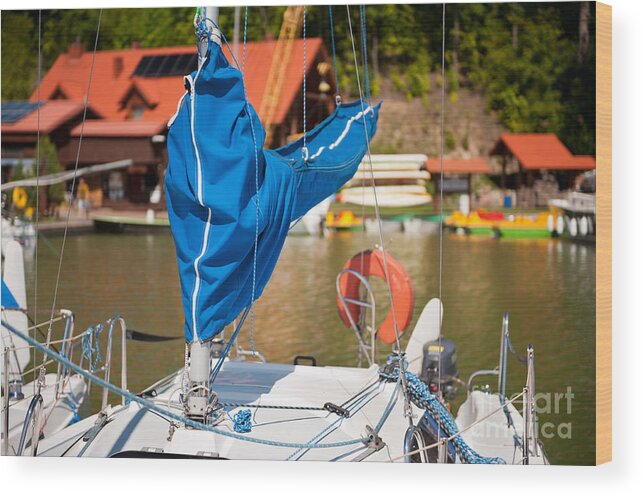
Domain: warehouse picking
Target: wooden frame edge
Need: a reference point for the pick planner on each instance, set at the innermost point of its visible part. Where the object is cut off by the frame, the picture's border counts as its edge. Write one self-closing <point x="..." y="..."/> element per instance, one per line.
<point x="603" y="233"/>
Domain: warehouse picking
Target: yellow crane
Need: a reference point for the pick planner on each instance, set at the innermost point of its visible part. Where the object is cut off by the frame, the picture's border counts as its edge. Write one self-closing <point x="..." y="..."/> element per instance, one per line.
<point x="290" y="27"/>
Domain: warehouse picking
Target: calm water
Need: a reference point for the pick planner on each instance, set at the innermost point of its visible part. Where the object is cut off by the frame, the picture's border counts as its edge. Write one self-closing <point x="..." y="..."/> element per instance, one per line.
<point x="548" y="287"/>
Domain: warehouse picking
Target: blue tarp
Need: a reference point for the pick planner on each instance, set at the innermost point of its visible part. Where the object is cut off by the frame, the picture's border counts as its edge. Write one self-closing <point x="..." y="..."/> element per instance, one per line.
<point x="8" y="300"/>
<point x="211" y="189"/>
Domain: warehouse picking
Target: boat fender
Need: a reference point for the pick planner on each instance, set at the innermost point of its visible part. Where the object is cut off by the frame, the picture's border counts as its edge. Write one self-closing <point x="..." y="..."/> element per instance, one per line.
<point x="583" y="226"/>
<point x="560" y="225"/>
<point x="371" y="263"/>
<point x="573" y="227"/>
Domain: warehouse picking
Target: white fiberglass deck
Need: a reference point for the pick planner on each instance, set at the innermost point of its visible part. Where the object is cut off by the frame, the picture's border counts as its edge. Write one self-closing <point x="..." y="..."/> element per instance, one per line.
<point x="132" y="428"/>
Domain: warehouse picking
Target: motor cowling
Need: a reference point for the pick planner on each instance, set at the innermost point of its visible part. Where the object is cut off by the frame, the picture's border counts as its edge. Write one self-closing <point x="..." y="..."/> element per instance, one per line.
<point x="439" y="367"/>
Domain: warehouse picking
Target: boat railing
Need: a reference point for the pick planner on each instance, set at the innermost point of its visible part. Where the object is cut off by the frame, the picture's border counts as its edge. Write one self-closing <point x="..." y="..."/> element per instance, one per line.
<point x="31" y="423"/>
<point x="530" y="441"/>
<point x="68" y="345"/>
<point x="5" y="403"/>
<point x="33" y="414"/>
<point x="90" y="339"/>
<point x="475" y="374"/>
<point x="501" y="370"/>
<point x="363" y="327"/>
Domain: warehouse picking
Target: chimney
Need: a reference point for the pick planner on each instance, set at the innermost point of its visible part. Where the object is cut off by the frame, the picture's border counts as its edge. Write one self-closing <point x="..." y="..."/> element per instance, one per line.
<point x="135" y="45"/>
<point x="76" y="49"/>
<point x="117" y="66"/>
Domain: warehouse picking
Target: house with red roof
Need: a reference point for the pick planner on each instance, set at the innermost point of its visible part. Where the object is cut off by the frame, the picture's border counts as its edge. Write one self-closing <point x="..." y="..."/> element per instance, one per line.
<point x="453" y="175"/>
<point x="528" y="158"/>
<point x="132" y="96"/>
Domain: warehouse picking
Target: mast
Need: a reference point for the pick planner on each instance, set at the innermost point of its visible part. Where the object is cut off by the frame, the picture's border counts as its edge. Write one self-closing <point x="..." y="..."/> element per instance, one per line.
<point x="211" y="16"/>
<point x="235" y="38"/>
<point x="197" y="397"/>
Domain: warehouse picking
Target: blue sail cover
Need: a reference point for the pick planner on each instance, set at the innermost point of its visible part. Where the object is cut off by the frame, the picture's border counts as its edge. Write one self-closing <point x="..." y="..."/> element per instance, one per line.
<point x="216" y="163"/>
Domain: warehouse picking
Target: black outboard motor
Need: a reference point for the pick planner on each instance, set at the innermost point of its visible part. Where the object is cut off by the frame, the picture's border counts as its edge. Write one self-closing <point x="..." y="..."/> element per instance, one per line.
<point x="440" y="354"/>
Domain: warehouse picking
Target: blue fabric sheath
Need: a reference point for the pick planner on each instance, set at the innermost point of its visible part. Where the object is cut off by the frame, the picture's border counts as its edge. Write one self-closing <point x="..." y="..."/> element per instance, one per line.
<point x="216" y="157"/>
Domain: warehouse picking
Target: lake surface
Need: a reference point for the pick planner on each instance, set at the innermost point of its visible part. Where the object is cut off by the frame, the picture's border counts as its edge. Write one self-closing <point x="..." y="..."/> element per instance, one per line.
<point x="547" y="286"/>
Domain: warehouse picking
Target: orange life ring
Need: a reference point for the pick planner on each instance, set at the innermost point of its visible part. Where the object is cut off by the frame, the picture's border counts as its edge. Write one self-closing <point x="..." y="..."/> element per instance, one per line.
<point x="371" y="263"/>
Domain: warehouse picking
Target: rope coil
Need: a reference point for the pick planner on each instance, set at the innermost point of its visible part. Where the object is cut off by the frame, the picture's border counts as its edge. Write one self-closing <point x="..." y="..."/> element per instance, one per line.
<point x="242" y="421"/>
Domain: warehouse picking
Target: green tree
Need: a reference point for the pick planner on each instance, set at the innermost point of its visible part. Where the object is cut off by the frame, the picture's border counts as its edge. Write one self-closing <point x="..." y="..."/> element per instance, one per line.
<point x="19" y="55"/>
<point x="534" y="61"/>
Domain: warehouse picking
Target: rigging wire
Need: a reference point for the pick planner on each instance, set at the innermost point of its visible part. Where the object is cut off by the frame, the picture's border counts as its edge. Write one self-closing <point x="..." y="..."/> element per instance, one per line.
<point x="379" y="221"/>
<point x="338" y="98"/>
<point x="254" y="257"/>
<point x="73" y="183"/>
<point x="442" y="92"/>
<point x="35" y="284"/>
<point x="304" y="150"/>
<point x="245" y="36"/>
<point x="367" y="84"/>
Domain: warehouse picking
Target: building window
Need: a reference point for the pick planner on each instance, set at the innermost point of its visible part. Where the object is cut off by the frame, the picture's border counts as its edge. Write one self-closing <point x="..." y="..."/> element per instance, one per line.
<point x="136" y="112"/>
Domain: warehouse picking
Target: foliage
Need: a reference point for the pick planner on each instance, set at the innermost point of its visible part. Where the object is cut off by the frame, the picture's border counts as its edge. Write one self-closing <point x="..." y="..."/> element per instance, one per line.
<point x="51" y="165"/>
<point x="523" y="56"/>
<point x="18" y="61"/>
<point x="449" y="140"/>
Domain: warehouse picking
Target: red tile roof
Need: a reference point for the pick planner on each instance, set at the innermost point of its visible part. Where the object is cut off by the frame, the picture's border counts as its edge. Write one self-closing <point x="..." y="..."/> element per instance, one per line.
<point x="541" y="151"/>
<point x="103" y="128"/>
<point x="476" y="165"/>
<point x="69" y="74"/>
<point x="52" y="115"/>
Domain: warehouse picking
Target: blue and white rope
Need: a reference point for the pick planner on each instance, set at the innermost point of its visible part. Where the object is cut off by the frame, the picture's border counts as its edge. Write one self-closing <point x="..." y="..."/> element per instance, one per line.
<point x="242" y="422"/>
<point x="423" y="398"/>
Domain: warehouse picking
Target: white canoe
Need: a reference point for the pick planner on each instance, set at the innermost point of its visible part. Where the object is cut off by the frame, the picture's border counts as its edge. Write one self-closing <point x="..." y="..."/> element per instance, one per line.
<point x="382" y="190"/>
<point x="386" y="196"/>
<point x="394" y="161"/>
<point x="366" y="177"/>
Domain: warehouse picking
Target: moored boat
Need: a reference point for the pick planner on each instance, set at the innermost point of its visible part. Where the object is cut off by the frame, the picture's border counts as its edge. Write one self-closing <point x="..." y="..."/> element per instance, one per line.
<point x="229" y="403"/>
<point x="497" y="224"/>
<point x="574" y="217"/>
<point x="32" y="410"/>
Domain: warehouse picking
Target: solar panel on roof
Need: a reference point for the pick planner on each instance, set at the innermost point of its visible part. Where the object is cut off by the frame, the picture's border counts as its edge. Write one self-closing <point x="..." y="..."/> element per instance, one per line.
<point x="14" y="111"/>
<point x="154" y="66"/>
